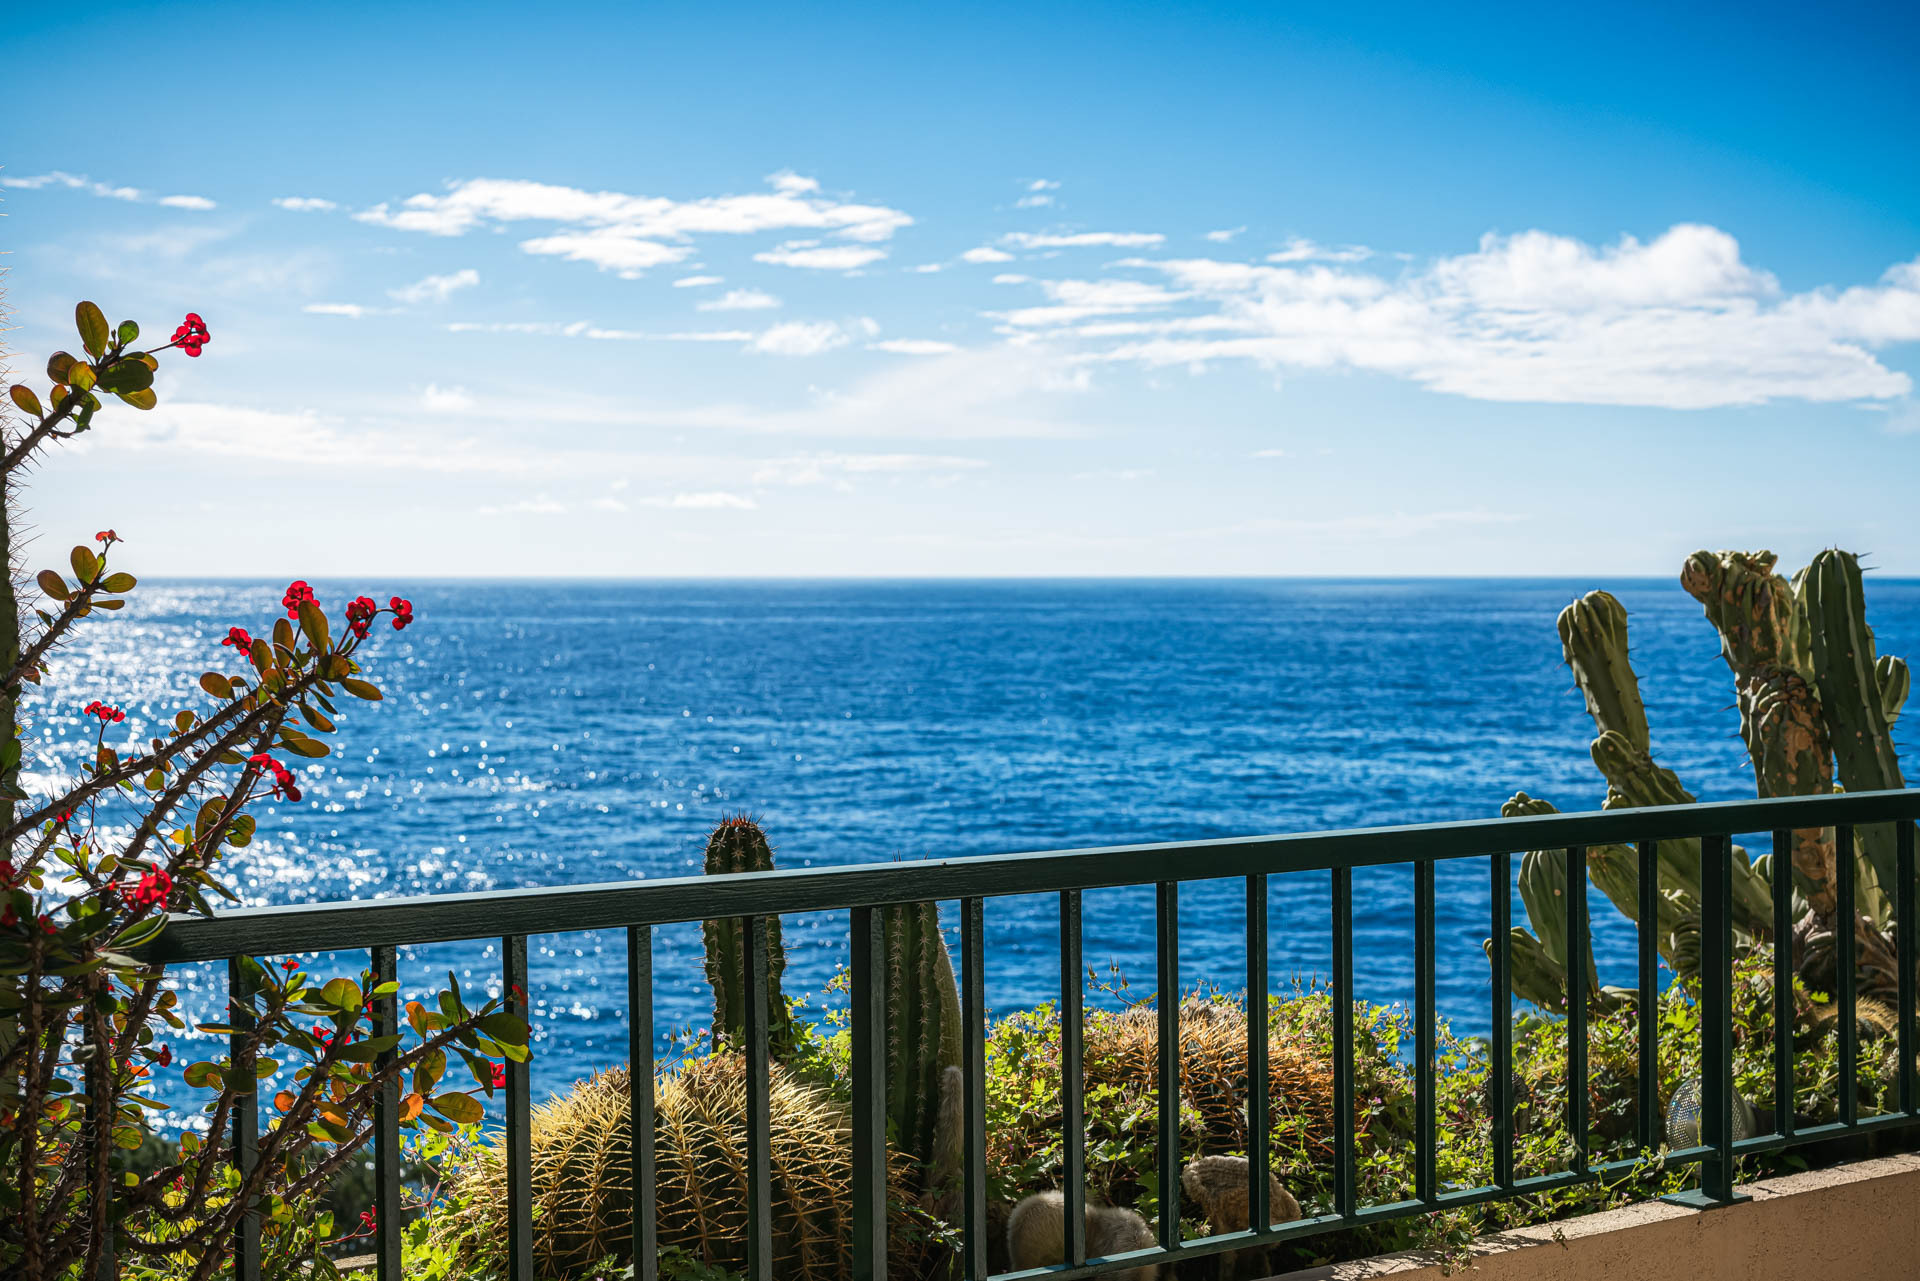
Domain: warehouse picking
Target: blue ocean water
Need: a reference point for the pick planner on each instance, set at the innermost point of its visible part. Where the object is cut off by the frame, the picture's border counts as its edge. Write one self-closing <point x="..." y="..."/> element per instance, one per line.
<point x="557" y="733"/>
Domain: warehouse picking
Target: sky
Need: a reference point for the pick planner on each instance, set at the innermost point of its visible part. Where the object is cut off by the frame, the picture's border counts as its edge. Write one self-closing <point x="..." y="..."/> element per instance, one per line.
<point x="645" y="290"/>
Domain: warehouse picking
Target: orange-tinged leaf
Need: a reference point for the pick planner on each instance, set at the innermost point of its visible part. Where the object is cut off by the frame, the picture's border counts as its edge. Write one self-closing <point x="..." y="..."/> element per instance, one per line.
<point x="410" y="1107"/>
<point x="284" y="1100"/>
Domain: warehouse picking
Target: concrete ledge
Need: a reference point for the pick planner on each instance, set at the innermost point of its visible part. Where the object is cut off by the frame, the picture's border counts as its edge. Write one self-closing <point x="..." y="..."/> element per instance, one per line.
<point x="1859" y="1221"/>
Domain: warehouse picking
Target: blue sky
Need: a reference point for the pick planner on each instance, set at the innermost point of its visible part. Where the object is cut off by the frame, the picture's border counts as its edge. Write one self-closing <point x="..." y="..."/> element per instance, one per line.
<point x="642" y="290"/>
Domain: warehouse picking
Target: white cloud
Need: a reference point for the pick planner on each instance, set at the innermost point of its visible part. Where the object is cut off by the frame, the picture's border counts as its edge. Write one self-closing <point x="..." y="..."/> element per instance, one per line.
<point x="739" y="300"/>
<point x="1224" y="235"/>
<point x="800" y="338"/>
<point x="617" y="231"/>
<point x="1268" y="453"/>
<point x="1043" y="184"/>
<point x="1012" y="278"/>
<point x="436" y="288"/>
<point x="820" y="469"/>
<point x="928" y="268"/>
<point x="1116" y="473"/>
<point x="305" y="204"/>
<point x="107" y="191"/>
<point x="986" y="253"/>
<point x="695" y="282"/>
<point x="1678" y="322"/>
<point x="310" y="439"/>
<point x="351" y="310"/>
<point x="608" y="504"/>
<point x="809" y="253"/>
<point x="1299" y="249"/>
<point x="642" y="335"/>
<point x="711" y="500"/>
<point x="913" y="346"/>
<point x="1078" y="300"/>
<point x="445" y="400"/>
<point x="1048" y="240"/>
<point x="539" y="505"/>
<point x="1033" y="202"/>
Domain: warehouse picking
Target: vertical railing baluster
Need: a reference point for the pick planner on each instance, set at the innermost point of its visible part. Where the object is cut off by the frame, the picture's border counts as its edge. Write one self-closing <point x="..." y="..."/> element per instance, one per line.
<point x="386" y="1122"/>
<point x="1783" y="1011"/>
<point x="1647" y="1019"/>
<point x="1260" y="1213"/>
<point x="1166" y="911"/>
<point x="1716" y="1017"/>
<point x="759" y="1109"/>
<point x="1844" y="948"/>
<point x="1073" y="1113"/>
<point x="519" y="1117"/>
<point x="1500" y="1071"/>
<point x="973" y="1049"/>
<point x="1343" y="1175"/>
<point x="246" y="1115"/>
<point x="869" y="976"/>
<point x="1905" y="935"/>
<point x="1577" y="951"/>
<point x="645" y="1232"/>
<point x="1425" y="1129"/>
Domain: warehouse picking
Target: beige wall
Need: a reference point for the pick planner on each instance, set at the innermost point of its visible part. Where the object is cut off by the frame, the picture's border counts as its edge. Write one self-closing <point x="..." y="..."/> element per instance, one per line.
<point x="1858" y="1222"/>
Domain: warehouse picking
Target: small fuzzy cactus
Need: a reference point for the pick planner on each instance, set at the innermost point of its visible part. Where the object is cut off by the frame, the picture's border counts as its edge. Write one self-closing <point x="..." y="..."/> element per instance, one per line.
<point x="738" y="845"/>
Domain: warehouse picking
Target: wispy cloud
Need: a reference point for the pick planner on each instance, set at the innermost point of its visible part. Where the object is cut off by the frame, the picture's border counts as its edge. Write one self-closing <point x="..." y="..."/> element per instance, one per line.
<point x="436" y="288"/>
<point x="1082" y="239"/>
<point x="538" y="505"/>
<point x="1298" y="249"/>
<point x="711" y="500"/>
<point x="695" y="282"/>
<point x="739" y="300"/>
<point x="913" y="346"/>
<point x="351" y="310"/>
<point x="986" y="253"/>
<point x="105" y="190"/>
<point x="305" y="204"/>
<point x="445" y="400"/>
<point x="1225" y="234"/>
<point x="837" y="468"/>
<point x="814" y="255"/>
<point x="800" y="338"/>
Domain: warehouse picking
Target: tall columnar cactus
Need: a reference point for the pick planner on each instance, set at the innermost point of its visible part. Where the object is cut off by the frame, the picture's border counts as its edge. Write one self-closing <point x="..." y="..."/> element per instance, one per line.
<point x="1593" y="640"/>
<point x="1860" y="695"/>
<point x="738" y="845"/>
<point x="923" y="1029"/>
<point x="1766" y="641"/>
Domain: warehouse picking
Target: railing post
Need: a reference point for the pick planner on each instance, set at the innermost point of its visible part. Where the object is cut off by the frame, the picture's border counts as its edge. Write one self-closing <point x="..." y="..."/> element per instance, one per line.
<point x="1903" y="950"/>
<point x="868" y="975"/>
<point x="1073" y="1085"/>
<point x="1783" y="1004"/>
<point x="1716" y="1028"/>
<point x="973" y="1047"/>
<point x="759" y="1107"/>
<point x="645" y="1232"/>
<point x="246" y="1115"/>
<point x="1167" y="1002"/>
<point x="386" y="1123"/>
<point x="1577" y="997"/>
<point x="519" y="1118"/>
<point x="1259" y="1074"/>
<point x="1425" y="1126"/>
<point x="1343" y="1138"/>
<point x="1500" y="1071"/>
<point x="1648" y="1016"/>
<point x="1845" y="949"/>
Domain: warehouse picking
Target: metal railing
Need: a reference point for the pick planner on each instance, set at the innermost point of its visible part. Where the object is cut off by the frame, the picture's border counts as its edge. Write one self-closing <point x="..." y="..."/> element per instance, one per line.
<point x="381" y="926"/>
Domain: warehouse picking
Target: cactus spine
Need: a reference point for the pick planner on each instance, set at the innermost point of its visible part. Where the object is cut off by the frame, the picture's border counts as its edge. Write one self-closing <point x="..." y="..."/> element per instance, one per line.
<point x="923" y="1030"/>
<point x="738" y="845"/>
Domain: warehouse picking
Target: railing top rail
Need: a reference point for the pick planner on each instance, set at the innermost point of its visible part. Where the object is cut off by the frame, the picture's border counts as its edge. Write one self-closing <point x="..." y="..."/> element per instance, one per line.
<point x="440" y="918"/>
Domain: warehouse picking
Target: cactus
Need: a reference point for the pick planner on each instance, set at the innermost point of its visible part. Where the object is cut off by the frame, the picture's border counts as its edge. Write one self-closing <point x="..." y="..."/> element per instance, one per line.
<point x="1593" y="640"/>
<point x="1766" y="641"/>
<point x="1856" y="691"/>
<point x="1537" y="977"/>
<point x="923" y="1029"/>
<point x="738" y="845"/>
<point x="583" y="1195"/>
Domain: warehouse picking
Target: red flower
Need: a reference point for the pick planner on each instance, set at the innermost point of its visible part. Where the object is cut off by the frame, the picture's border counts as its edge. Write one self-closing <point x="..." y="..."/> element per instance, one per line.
<point x="152" y="890"/>
<point x="367" y="1220"/>
<point x="47" y="925"/>
<point x="165" y="1058"/>
<point x="283" y="783"/>
<point x="402" y="611"/>
<point x="290" y="964"/>
<point x="298" y="594"/>
<point x="239" y="639"/>
<point x="106" y="536"/>
<point x="104" y="711"/>
<point x="499" y="1076"/>
<point x="192" y="334"/>
<point x="360" y="612"/>
<point x="6" y="872"/>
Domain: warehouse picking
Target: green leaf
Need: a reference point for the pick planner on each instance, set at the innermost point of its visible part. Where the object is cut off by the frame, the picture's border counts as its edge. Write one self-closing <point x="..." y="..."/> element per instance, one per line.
<point x="124" y="376"/>
<point x="343" y="995"/>
<point x="82" y="377"/>
<point x="314" y="623"/>
<point x="118" y="583"/>
<point x="57" y="366"/>
<point x="217" y="685"/>
<point x="23" y="396"/>
<point x="360" y="689"/>
<point x="462" y="1109"/>
<point x="241" y="833"/>
<point x="140" y="399"/>
<point x="85" y="564"/>
<point x="129" y="333"/>
<point x="316" y="720"/>
<point x="368" y="1050"/>
<point x="507" y="1029"/>
<point x="53" y="585"/>
<point x="301" y="745"/>
<point x="93" y="328"/>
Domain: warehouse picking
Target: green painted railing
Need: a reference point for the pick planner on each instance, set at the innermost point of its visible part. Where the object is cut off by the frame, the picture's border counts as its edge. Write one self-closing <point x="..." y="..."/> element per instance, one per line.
<point x="381" y="926"/>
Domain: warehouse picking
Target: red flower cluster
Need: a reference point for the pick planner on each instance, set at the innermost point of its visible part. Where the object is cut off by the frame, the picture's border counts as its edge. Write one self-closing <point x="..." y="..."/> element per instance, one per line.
<point x="499" y="1076"/>
<point x="298" y="594"/>
<point x="152" y="890"/>
<point x="239" y="639"/>
<point x="402" y="611"/>
<point x="6" y="873"/>
<point x="367" y="1220"/>
<point x="104" y="712"/>
<point x="192" y="334"/>
<point x="283" y="784"/>
<point x="106" y="536"/>
<point x="165" y="1057"/>
<point x="290" y="964"/>
<point x="360" y="612"/>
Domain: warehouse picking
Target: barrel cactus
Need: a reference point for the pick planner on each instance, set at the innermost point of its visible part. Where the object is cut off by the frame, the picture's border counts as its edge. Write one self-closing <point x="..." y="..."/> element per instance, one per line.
<point x="738" y="845"/>
<point x="582" y="1190"/>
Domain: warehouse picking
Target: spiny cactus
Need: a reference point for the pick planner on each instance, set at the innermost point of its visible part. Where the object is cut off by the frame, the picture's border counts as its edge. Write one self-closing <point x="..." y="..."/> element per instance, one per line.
<point x="582" y="1192"/>
<point x="1859" y="694"/>
<point x="923" y="1028"/>
<point x="738" y="845"/>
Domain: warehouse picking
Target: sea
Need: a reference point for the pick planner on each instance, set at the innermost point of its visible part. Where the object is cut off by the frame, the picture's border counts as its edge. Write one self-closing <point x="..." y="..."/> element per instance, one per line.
<point x="567" y="732"/>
